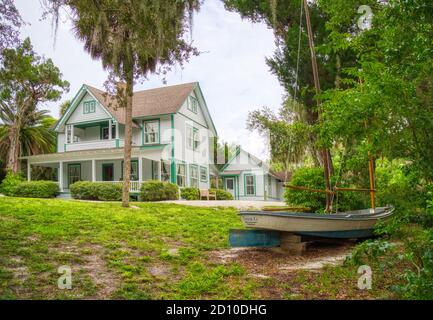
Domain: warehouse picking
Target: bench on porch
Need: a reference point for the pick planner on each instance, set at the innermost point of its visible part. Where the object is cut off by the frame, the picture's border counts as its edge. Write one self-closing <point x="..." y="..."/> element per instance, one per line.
<point x="204" y="193"/>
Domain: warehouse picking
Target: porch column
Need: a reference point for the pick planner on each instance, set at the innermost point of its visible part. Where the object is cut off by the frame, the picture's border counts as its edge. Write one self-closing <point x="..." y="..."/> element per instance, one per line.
<point x="109" y="129"/>
<point x="72" y="133"/>
<point x="60" y="177"/>
<point x="29" y="170"/>
<point x="93" y="170"/>
<point x="140" y="169"/>
<point x="158" y="166"/>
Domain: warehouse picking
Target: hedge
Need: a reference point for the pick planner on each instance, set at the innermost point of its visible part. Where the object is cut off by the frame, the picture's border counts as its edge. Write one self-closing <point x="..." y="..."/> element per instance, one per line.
<point x="10" y="182"/>
<point x="222" y="194"/>
<point x="102" y="191"/>
<point x="154" y="190"/>
<point x="37" y="189"/>
<point x="190" y="193"/>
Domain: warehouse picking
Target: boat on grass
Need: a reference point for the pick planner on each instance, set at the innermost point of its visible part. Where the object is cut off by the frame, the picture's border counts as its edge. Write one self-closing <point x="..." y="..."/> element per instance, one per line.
<point x="343" y="225"/>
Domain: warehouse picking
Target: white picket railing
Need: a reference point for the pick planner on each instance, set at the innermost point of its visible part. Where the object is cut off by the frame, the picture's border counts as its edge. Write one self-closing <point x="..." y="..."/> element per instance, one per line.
<point x="134" y="186"/>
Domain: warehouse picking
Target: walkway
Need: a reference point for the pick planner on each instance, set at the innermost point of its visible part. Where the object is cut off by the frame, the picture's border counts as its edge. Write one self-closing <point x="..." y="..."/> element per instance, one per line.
<point x="238" y="204"/>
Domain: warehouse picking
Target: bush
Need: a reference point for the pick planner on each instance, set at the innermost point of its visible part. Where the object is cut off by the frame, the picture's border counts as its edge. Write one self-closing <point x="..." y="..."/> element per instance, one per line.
<point x="37" y="189"/>
<point x="190" y="193"/>
<point x="157" y="191"/>
<point x="307" y="177"/>
<point x="316" y="201"/>
<point x="222" y="194"/>
<point x="9" y="183"/>
<point x="87" y="190"/>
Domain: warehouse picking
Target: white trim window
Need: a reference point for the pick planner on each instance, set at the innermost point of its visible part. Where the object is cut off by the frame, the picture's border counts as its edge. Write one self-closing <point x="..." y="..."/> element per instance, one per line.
<point x="151" y="132"/>
<point x="192" y="138"/>
<point x="203" y="174"/>
<point x="193" y="104"/>
<point x="250" y="185"/>
<point x="89" y="106"/>
<point x="181" y="174"/>
<point x="193" y="175"/>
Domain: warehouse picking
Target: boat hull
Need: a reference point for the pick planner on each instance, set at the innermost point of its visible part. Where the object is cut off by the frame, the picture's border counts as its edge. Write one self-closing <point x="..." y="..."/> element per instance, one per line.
<point x="354" y="224"/>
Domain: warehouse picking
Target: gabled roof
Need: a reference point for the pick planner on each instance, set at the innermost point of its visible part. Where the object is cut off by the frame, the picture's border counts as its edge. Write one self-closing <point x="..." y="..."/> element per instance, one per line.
<point x="150" y="102"/>
<point x="280" y="175"/>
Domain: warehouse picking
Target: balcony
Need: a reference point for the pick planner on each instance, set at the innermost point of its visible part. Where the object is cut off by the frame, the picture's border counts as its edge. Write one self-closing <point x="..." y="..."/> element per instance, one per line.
<point x="94" y="144"/>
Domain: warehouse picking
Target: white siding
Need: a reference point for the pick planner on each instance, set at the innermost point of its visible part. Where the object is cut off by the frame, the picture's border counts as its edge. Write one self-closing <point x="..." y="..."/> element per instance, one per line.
<point x="197" y="117"/>
<point x="60" y="142"/>
<point x="79" y="116"/>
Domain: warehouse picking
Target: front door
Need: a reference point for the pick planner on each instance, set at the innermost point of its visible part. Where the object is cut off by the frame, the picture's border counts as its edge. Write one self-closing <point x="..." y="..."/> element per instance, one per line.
<point x="230" y="186"/>
<point x="74" y="173"/>
<point x="107" y="172"/>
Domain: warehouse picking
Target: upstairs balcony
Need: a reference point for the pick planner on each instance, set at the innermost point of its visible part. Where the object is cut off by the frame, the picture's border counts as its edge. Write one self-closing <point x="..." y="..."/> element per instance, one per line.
<point x="94" y="144"/>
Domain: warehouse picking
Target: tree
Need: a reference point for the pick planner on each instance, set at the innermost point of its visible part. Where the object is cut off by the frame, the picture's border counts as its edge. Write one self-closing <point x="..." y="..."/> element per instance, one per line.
<point x="386" y="108"/>
<point x="132" y="38"/>
<point x="10" y="22"/>
<point x="63" y="107"/>
<point x="26" y="80"/>
<point x="36" y="136"/>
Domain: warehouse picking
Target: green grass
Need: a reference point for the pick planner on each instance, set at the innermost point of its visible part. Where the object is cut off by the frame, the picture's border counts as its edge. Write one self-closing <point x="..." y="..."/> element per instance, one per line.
<point x="156" y="251"/>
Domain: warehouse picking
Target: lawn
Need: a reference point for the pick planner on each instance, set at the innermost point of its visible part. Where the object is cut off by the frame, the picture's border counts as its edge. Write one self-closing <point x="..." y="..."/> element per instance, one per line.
<point x="153" y="251"/>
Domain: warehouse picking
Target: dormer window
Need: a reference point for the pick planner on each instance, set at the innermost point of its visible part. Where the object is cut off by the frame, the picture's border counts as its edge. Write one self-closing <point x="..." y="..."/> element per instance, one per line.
<point x="193" y="104"/>
<point x="89" y="106"/>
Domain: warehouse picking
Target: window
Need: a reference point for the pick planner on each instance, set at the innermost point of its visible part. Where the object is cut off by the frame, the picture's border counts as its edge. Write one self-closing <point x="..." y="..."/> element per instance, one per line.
<point x="165" y="171"/>
<point x="192" y="138"/>
<point x="105" y="135"/>
<point x="193" y="104"/>
<point x="151" y="132"/>
<point x="203" y="174"/>
<point x="193" y="175"/>
<point x="196" y="139"/>
<point x="89" y="106"/>
<point x="134" y="170"/>
<point x="250" y="187"/>
<point x="181" y="174"/>
<point x="68" y="134"/>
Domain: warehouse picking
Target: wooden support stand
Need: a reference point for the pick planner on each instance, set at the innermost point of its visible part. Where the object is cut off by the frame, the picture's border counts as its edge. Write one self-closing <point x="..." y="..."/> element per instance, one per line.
<point x="291" y="244"/>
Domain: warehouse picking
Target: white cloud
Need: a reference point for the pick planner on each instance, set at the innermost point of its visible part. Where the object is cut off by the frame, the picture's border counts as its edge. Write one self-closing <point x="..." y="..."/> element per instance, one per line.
<point x="231" y="69"/>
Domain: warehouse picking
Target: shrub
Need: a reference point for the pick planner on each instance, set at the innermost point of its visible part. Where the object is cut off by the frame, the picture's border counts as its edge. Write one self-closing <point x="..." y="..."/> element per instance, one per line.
<point x="37" y="189"/>
<point x="190" y="193"/>
<point x="9" y="183"/>
<point x="87" y="190"/>
<point x="155" y="190"/>
<point x="109" y="191"/>
<point x="222" y="194"/>
<point x="307" y="177"/>
<point x="316" y="201"/>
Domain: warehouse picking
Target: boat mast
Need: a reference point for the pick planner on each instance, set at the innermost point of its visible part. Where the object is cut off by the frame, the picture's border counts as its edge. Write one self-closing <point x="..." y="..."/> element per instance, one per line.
<point x="324" y="151"/>
<point x="372" y="186"/>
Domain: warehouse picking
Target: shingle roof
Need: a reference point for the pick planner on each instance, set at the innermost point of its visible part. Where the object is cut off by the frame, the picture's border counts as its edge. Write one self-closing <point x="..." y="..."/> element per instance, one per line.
<point x="163" y="100"/>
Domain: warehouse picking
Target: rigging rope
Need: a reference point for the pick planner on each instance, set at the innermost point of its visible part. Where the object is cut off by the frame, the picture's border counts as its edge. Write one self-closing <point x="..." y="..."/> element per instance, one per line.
<point x="299" y="50"/>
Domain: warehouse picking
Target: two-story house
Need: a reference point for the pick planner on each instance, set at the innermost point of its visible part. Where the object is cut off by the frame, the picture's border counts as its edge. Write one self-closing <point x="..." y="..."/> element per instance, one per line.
<point x="172" y="128"/>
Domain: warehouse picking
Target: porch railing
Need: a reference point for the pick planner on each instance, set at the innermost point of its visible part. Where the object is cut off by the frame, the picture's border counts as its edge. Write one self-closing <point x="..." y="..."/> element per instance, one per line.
<point x="134" y="186"/>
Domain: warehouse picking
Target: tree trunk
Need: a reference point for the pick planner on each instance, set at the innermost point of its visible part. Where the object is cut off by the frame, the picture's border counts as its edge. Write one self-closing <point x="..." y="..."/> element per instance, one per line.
<point x="127" y="139"/>
<point x="14" y="149"/>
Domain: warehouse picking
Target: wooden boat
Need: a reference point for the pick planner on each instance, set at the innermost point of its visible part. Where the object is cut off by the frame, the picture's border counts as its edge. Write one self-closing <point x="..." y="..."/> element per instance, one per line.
<point x="350" y="224"/>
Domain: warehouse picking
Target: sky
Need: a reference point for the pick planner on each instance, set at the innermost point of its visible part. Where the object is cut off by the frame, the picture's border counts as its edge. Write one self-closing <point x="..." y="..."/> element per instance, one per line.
<point x="231" y="68"/>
